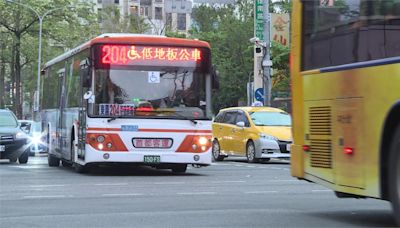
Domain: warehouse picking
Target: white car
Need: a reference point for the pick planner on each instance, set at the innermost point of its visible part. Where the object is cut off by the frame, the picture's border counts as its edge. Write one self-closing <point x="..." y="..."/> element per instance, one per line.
<point x="34" y="131"/>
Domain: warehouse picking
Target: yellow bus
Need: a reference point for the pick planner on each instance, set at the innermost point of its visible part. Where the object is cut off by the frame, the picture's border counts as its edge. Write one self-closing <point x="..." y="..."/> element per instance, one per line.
<point x="345" y="64"/>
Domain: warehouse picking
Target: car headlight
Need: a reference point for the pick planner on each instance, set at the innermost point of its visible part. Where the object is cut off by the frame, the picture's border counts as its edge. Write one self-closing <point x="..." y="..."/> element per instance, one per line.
<point x="20" y="135"/>
<point x="270" y="137"/>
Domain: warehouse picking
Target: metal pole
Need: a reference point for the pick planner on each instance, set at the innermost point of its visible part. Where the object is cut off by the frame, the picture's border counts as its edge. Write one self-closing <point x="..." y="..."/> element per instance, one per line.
<point x="266" y="62"/>
<point x="36" y="108"/>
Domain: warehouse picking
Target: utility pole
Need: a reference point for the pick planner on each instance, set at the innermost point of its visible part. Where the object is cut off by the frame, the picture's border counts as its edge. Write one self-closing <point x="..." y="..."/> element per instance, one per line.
<point x="266" y="62"/>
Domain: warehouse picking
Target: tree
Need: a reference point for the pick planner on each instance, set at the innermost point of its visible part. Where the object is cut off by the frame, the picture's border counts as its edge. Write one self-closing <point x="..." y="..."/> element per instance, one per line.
<point x="20" y="23"/>
<point x="228" y="29"/>
<point x="113" y="22"/>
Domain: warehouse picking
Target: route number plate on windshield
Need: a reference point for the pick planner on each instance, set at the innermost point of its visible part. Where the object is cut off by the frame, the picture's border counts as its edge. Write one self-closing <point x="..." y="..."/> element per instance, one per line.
<point x="2" y="148"/>
<point x="151" y="159"/>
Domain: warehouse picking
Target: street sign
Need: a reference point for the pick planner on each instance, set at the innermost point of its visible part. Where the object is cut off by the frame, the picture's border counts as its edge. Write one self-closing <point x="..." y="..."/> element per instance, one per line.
<point x="259" y="94"/>
<point x="258" y="19"/>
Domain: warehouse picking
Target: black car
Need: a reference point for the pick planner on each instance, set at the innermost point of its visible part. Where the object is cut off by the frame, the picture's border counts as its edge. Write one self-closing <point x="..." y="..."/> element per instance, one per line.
<point x="13" y="140"/>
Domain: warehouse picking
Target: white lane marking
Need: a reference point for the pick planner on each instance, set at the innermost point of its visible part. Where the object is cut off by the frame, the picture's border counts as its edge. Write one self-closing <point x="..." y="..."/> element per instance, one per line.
<point x="46" y="186"/>
<point x="122" y="194"/>
<point x="169" y="182"/>
<point x="220" y="182"/>
<point x="196" y="193"/>
<point x="321" y="190"/>
<point x="282" y="181"/>
<point x="111" y="184"/>
<point x="260" y="192"/>
<point x="251" y="166"/>
<point x="42" y="197"/>
<point x="239" y="165"/>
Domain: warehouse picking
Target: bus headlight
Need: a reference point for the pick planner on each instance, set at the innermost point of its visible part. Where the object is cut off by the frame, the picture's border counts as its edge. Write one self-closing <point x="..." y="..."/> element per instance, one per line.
<point x="203" y="141"/>
<point x="100" y="138"/>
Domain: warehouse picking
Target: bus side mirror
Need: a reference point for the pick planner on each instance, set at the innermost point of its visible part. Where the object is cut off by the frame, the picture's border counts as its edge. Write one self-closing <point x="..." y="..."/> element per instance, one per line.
<point x="86" y="77"/>
<point x="214" y="78"/>
<point x="89" y="97"/>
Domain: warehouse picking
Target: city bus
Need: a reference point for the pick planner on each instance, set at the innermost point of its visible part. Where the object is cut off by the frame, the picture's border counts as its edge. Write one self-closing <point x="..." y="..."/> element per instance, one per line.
<point x="345" y="70"/>
<point x="132" y="99"/>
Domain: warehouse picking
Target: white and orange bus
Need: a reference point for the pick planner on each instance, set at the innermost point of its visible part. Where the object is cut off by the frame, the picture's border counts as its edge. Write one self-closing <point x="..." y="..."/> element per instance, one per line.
<point x="126" y="98"/>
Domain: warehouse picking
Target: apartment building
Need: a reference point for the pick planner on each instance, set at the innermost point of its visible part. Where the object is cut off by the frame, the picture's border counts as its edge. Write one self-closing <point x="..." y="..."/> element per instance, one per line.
<point x="160" y="14"/>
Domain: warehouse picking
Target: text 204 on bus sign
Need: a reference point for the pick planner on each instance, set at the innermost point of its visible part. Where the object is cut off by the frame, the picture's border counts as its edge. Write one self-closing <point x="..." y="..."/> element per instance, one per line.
<point x="125" y="55"/>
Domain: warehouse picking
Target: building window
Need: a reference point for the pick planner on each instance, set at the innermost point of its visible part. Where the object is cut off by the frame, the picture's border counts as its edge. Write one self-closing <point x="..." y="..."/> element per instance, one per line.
<point x="134" y="10"/>
<point x="181" y="21"/>
<point x="144" y="11"/>
<point x="158" y="13"/>
<point x="99" y="1"/>
<point x="116" y="1"/>
<point x="168" y="20"/>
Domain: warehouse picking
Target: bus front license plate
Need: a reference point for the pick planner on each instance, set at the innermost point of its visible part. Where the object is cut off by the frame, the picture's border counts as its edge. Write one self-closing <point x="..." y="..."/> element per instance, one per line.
<point x="151" y="159"/>
<point x="2" y="148"/>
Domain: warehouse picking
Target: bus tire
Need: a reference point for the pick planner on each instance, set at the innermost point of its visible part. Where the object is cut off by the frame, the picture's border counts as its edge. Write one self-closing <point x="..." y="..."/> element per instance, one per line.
<point x="216" y="151"/>
<point x="251" y="152"/>
<point x="394" y="175"/>
<point x="66" y="164"/>
<point x="180" y="168"/>
<point x="53" y="161"/>
<point x="80" y="168"/>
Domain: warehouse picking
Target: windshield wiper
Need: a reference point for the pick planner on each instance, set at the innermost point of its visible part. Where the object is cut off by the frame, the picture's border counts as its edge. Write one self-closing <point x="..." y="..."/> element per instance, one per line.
<point x="111" y="119"/>
<point x="175" y="112"/>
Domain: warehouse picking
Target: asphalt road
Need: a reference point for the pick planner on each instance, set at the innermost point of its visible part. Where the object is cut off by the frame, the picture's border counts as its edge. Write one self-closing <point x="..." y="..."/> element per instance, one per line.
<point x="227" y="194"/>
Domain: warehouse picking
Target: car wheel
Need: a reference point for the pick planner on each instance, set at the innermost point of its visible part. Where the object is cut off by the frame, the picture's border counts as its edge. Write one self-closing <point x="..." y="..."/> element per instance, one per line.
<point x="23" y="159"/>
<point x="216" y="151"/>
<point x="394" y="175"/>
<point x="181" y="168"/>
<point x="53" y="161"/>
<point x="251" y="152"/>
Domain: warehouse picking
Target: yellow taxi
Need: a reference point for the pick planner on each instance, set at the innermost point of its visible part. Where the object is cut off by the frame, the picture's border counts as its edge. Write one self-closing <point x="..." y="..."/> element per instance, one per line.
<point x="258" y="133"/>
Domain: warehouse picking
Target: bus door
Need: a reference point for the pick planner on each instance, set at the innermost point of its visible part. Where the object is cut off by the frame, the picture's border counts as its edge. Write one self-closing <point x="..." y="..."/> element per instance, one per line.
<point x="86" y="79"/>
<point x="65" y="112"/>
<point x="318" y="135"/>
<point x="61" y="105"/>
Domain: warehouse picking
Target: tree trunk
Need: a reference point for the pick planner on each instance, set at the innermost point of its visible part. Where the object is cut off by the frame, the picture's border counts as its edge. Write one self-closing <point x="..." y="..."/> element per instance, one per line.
<point x="12" y="84"/>
<point x="18" y="77"/>
<point x="2" y="74"/>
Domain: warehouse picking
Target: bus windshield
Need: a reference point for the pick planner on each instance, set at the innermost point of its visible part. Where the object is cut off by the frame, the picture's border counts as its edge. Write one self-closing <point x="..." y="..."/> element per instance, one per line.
<point x="149" y="92"/>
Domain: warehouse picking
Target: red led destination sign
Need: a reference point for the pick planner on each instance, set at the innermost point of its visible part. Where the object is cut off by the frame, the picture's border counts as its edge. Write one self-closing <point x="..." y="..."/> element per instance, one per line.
<point x="136" y="54"/>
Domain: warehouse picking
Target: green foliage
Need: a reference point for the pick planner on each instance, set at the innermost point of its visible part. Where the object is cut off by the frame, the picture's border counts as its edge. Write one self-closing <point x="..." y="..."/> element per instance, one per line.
<point x="228" y="30"/>
<point x="280" y="65"/>
<point x="113" y="22"/>
<point x="66" y="23"/>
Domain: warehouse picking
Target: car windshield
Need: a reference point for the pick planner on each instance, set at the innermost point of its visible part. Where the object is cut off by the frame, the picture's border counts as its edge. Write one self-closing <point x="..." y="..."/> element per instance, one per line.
<point x="271" y="118"/>
<point x="148" y="93"/>
<point x="7" y="119"/>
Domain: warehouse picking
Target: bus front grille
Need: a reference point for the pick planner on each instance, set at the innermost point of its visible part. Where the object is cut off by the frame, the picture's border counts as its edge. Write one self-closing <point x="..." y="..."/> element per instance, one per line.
<point x="320" y="137"/>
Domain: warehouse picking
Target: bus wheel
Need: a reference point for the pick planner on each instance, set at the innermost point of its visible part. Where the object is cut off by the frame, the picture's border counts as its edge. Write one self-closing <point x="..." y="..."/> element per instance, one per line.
<point x="394" y="175"/>
<point x="180" y="168"/>
<point x="80" y="168"/>
<point x="66" y="164"/>
<point x="251" y="152"/>
<point x="216" y="151"/>
<point x="53" y="160"/>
